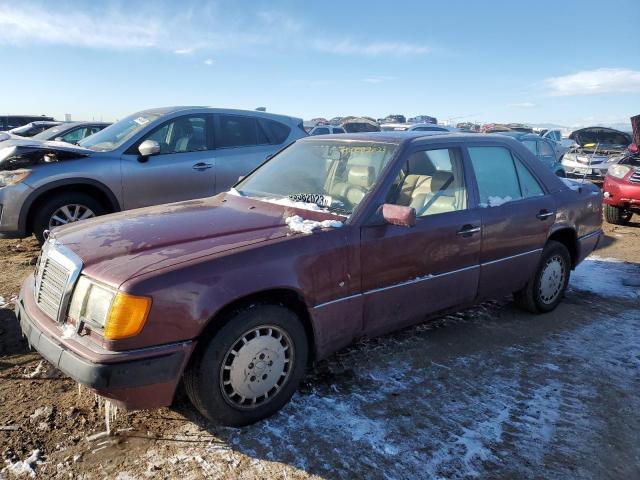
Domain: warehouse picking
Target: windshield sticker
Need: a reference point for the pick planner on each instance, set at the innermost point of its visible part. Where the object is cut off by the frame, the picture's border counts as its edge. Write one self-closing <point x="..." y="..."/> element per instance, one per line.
<point x="317" y="198"/>
<point x="141" y="120"/>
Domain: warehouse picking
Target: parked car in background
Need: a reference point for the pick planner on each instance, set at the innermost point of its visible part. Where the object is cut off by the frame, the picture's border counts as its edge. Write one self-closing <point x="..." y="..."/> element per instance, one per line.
<point x="335" y="120"/>
<point x="326" y="130"/>
<point x="423" y="119"/>
<point x="418" y="127"/>
<point x="519" y="127"/>
<point x="32" y="128"/>
<point x="597" y="148"/>
<point x="7" y="122"/>
<point x="622" y="188"/>
<point x="562" y="145"/>
<point x="333" y="239"/>
<point x="71" y="132"/>
<point x="359" y="124"/>
<point x="394" y="119"/>
<point x="154" y="156"/>
<point x="542" y="148"/>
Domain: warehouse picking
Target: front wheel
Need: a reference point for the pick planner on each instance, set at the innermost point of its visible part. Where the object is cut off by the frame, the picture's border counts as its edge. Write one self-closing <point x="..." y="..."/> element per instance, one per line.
<point x="616" y="215"/>
<point x="63" y="209"/>
<point x="544" y="291"/>
<point x="250" y="368"/>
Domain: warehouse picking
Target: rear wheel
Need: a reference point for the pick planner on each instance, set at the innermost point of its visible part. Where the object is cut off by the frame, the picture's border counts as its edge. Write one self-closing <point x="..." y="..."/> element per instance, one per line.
<point x="544" y="291"/>
<point x="250" y="368"/>
<point x="617" y="215"/>
<point x="63" y="209"/>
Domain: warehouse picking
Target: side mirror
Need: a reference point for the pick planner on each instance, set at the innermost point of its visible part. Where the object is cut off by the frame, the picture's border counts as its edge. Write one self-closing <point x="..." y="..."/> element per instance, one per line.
<point x="399" y="215"/>
<point x="148" y="148"/>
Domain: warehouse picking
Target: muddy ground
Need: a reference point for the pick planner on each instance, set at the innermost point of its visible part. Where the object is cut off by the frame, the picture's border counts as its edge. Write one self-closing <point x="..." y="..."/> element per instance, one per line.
<point x="491" y="392"/>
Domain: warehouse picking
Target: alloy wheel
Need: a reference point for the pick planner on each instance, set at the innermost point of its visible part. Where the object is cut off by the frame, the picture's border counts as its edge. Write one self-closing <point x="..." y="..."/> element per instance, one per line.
<point x="69" y="214"/>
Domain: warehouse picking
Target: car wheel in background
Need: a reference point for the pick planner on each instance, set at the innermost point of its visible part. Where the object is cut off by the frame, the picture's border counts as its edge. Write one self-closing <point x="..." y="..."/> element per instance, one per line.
<point x="544" y="291"/>
<point x="250" y="367"/>
<point x="63" y="209"/>
<point x="617" y="215"/>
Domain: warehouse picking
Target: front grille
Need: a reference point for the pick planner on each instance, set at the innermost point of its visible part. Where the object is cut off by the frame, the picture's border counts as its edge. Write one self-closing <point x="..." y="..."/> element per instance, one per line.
<point x="51" y="286"/>
<point x="635" y="177"/>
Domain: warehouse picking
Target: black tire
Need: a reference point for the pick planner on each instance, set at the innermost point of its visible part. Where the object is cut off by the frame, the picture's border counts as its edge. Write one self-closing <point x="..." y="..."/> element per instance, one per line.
<point x="46" y="210"/>
<point x="205" y="375"/>
<point x="531" y="297"/>
<point x="616" y="215"/>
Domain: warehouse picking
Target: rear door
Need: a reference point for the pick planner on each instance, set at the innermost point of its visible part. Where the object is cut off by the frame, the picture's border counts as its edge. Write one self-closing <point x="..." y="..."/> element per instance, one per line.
<point x="243" y="143"/>
<point x="184" y="168"/>
<point x="408" y="272"/>
<point x="516" y="216"/>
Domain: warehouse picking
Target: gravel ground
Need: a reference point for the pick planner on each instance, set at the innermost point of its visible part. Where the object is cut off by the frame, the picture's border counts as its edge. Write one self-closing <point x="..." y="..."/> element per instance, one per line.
<point x="491" y="392"/>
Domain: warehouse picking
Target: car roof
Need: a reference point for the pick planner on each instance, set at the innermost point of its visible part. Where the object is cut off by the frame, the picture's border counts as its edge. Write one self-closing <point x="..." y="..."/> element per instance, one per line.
<point x="398" y="137"/>
<point x="161" y="111"/>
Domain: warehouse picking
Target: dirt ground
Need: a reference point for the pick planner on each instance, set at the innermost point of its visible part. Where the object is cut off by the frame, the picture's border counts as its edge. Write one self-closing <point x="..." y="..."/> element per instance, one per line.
<point x="491" y="392"/>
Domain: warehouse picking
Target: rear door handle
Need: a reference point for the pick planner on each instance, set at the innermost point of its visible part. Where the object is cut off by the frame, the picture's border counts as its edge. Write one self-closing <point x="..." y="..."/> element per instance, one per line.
<point x="468" y="230"/>
<point x="202" y="166"/>
<point x="544" y="214"/>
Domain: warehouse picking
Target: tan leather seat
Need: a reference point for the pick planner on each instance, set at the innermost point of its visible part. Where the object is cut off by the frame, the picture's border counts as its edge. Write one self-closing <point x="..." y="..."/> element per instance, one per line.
<point x="413" y="186"/>
<point x="429" y="194"/>
<point x="359" y="181"/>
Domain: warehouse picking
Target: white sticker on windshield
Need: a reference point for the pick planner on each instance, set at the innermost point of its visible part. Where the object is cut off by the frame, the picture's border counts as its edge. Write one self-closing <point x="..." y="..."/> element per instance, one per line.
<point x="141" y="120"/>
<point x="317" y="198"/>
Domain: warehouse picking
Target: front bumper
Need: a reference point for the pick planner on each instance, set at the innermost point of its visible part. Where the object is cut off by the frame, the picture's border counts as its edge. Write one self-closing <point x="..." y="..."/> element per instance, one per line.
<point x="134" y="379"/>
<point x="12" y="198"/>
<point x="621" y="193"/>
<point x="595" y="170"/>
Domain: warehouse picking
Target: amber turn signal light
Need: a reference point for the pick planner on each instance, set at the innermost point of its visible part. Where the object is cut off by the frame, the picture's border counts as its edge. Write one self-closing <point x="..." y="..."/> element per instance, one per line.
<point x="127" y="316"/>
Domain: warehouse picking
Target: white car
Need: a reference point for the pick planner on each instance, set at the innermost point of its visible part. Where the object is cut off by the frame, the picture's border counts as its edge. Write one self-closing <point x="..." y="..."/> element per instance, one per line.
<point x="326" y="130"/>
<point x="597" y="148"/>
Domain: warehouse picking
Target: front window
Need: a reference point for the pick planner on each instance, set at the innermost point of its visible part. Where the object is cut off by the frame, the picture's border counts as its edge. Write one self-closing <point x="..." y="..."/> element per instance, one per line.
<point x="117" y="134"/>
<point x="431" y="182"/>
<point x="332" y="173"/>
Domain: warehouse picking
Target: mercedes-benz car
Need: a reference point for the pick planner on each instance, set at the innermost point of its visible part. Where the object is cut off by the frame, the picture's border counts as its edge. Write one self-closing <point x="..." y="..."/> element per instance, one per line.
<point x="335" y="238"/>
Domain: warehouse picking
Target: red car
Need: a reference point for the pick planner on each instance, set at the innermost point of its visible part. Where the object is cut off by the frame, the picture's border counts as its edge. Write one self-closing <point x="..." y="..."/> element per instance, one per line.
<point x="335" y="238"/>
<point x="622" y="189"/>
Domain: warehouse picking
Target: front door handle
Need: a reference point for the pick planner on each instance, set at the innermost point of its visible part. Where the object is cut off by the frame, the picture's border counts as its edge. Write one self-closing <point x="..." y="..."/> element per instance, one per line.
<point x="544" y="214"/>
<point x="202" y="166"/>
<point x="468" y="230"/>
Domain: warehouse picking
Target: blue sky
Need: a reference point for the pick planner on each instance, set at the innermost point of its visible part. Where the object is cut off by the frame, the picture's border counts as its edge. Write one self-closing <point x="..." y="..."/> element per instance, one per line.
<point x="565" y="62"/>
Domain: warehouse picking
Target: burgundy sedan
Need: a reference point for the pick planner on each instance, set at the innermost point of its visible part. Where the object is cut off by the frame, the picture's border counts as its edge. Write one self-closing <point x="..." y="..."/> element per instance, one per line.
<point x="334" y="238"/>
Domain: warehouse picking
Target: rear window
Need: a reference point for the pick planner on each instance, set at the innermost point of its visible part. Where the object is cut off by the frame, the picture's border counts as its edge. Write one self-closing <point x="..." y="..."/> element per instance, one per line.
<point x="276" y="132"/>
<point x="236" y="131"/>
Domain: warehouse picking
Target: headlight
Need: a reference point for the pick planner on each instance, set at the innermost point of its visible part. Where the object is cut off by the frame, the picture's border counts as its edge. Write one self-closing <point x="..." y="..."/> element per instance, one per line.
<point x="618" y="171"/>
<point x="119" y="314"/>
<point x="11" y="177"/>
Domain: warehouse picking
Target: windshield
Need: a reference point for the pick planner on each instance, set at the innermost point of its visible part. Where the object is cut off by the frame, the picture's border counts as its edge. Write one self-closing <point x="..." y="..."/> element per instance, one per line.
<point x="48" y="133"/>
<point x="334" y="174"/>
<point x="115" y="135"/>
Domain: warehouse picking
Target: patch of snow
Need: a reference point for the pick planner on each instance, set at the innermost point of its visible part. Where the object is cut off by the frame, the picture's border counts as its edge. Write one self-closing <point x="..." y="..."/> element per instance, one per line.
<point x="495" y="202"/>
<point x="68" y="331"/>
<point x="3" y="304"/>
<point x="298" y="224"/>
<point x="287" y="202"/>
<point x="36" y="372"/>
<point x="26" y="466"/>
<point x="606" y="277"/>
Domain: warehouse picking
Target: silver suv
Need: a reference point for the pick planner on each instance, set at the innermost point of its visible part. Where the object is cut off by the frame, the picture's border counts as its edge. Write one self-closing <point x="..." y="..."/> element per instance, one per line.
<point x="151" y="157"/>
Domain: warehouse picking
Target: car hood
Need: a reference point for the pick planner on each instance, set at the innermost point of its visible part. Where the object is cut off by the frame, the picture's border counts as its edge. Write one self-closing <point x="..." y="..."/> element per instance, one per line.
<point x="115" y="248"/>
<point x="24" y="153"/>
<point x="608" y="138"/>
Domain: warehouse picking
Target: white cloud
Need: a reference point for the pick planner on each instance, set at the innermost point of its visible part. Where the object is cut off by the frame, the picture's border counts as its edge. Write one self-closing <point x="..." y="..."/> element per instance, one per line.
<point x="209" y="62"/>
<point x="590" y="82"/>
<point x="378" y="79"/>
<point x="522" y="105"/>
<point x="370" y="49"/>
<point x="183" y="51"/>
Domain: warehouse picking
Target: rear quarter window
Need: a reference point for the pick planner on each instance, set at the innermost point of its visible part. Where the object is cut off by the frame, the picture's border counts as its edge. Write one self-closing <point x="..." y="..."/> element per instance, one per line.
<point x="276" y="132"/>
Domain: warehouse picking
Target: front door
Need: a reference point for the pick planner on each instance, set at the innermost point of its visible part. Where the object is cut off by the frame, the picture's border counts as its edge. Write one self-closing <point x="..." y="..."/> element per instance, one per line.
<point x="408" y="272"/>
<point x="184" y="168"/>
<point x="516" y="216"/>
